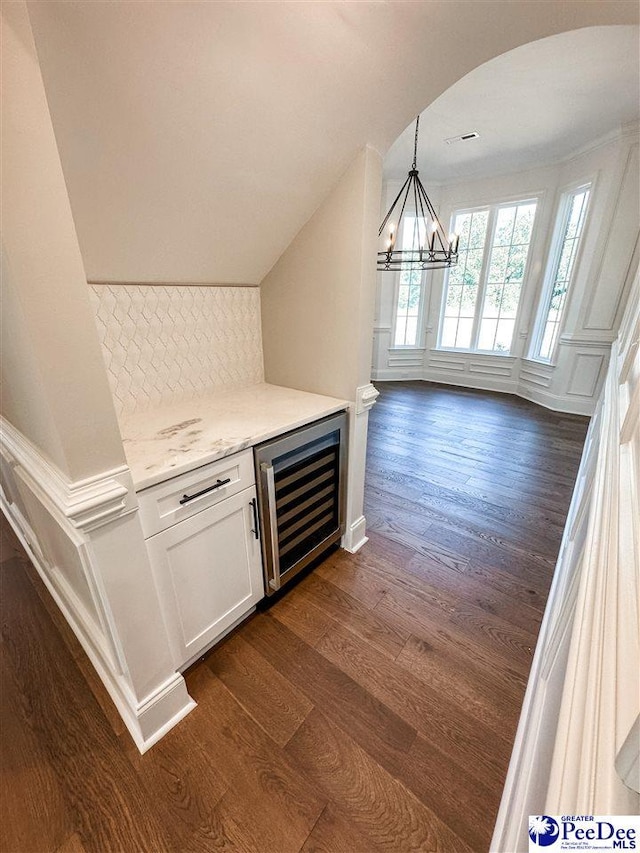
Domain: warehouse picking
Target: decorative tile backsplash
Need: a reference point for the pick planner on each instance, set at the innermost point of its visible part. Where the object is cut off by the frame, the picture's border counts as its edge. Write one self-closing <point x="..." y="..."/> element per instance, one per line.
<point x="166" y="343"/>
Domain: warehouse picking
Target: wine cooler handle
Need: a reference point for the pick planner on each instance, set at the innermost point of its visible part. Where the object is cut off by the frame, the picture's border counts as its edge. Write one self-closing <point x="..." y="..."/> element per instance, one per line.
<point x="256" y="524"/>
<point x="267" y="470"/>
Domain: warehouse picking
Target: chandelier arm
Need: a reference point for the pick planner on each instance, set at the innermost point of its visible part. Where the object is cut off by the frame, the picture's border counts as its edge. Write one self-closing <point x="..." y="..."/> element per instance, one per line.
<point x="416" y="206"/>
<point x="419" y="202"/>
<point x="404" y="203"/>
<point x="440" y="230"/>
<point x="391" y="209"/>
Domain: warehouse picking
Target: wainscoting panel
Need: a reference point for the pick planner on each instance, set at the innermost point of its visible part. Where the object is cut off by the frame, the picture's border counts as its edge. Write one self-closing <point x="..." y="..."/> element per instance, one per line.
<point x="585" y="375"/>
<point x="86" y="542"/>
<point x="577" y="749"/>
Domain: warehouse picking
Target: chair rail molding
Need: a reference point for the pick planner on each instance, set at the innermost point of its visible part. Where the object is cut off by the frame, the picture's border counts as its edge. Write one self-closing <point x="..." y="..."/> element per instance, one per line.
<point x="86" y="503"/>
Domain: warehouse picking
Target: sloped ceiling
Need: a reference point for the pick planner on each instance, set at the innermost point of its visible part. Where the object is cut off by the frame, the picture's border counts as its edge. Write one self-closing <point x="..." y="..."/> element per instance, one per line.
<point x="196" y="138"/>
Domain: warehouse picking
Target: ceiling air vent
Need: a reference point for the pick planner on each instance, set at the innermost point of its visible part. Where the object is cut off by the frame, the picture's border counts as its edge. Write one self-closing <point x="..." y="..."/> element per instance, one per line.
<point x="465" y="137"/>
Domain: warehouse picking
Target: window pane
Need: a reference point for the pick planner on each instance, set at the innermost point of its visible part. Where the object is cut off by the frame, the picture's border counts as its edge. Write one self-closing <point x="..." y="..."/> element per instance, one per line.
<point x="473" y="266"/>
<point x="507" y="267"/>
<point x="478" y="229"/>
<point x="524" y="223"/>
<point x="465" y="328"/>
<point x="504" y="335"/>
<point x="449" y="328"/>
<point x="517" y="262"/>
<point x="454" y="295"/>
<point x="497" y="279"/>
<point x="468" y="300"/>
<point x="411" y="332"/>
<point x="510" y="299"/>
<point x="462" y="279"/>
<point x="493" y="299"/>
<point x="504" y="226"/>
<point x="548" y="340"/>
<point x="498" y="265"/>
<point x="487" y="334"/>
<point x="570" y="226"/>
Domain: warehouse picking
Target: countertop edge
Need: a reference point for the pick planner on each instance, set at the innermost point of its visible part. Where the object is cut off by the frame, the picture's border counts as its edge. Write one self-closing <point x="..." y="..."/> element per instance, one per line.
<point x="141" y="483"/>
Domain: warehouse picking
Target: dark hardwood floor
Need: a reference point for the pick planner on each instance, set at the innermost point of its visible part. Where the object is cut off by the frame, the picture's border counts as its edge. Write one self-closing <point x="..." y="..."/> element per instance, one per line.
<point x="373" y="708"/>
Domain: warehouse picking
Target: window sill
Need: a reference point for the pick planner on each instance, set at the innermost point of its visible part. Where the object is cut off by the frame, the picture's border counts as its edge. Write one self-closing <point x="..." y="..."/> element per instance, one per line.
<point x="540" y="362"/>
<point x="407" y="349"/>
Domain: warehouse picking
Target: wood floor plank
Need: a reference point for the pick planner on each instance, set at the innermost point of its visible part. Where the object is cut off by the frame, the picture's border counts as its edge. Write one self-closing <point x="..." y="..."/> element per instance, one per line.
<point x="348" y="611"/>
<point x="267" y="797"/>
<point x="72" y="844"/>
<point x="33" y="811"/>
<point x="438" y="618"/>
<point x="269" y="698"/>
<point x="462" y="736"/>
<point x="376" y="803"/>
<point x="466" y="803"/>
<point x="98" y="784"/>
<point x="369" y="722"/>
<point x="460" y="679"/>
<point x="179" y="775"/>
<point x="333" y="834"/>
<point x="77" y="652"/>
<point x="301" y="615"/>
<point x="345" y="573"/>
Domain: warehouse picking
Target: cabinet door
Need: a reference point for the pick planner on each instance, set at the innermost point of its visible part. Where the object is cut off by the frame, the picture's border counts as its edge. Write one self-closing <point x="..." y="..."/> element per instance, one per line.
<point x="208" y="571"/>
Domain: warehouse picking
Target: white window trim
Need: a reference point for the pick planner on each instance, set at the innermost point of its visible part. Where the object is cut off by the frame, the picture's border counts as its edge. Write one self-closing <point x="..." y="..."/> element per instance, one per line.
<point x="421" y="332"/>
<point x="560" y="220"/>
<point x="493" y="207"/>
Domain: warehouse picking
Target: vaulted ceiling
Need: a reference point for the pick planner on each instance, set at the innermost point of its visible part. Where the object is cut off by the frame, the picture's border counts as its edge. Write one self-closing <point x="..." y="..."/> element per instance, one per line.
<point x="536" y="104"/>
<point x="196" y="138"/>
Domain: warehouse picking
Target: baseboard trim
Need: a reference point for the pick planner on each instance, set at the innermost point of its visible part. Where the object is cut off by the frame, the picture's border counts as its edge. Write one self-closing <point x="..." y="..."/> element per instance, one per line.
<point x="355" y="536"/>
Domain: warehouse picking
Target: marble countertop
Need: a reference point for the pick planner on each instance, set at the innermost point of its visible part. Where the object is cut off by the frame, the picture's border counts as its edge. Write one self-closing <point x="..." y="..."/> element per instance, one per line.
<point x="168" y="441"/>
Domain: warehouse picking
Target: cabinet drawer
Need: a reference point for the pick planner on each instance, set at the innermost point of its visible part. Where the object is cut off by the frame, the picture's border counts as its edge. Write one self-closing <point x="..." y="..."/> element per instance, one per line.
<point x="160" y="506"/>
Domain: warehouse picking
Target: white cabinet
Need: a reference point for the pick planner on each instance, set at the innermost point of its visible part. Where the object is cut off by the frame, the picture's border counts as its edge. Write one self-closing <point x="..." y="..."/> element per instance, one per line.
<point x="207" y="567"/>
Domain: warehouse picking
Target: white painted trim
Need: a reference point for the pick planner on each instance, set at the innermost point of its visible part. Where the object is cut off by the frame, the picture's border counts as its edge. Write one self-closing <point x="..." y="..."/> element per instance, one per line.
<point x="355" y="537"/>
<point x="146" y="721"/>
<point x="556" y="402"/>
<point x="86" y="503"/>
<point x="577" y="749"/>
<point x="366" y="396"/>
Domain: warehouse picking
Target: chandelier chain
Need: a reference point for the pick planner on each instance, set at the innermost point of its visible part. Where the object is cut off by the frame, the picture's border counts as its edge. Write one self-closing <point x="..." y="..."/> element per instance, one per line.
<point x="415" y="145"/>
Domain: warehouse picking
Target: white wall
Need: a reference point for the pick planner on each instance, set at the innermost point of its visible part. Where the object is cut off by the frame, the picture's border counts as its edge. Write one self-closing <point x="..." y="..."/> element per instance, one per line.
<point x="603" y="272"/>
<point x="55" y="386"/>
<point x="65" y="487"/>
<point x="317" y="310"/>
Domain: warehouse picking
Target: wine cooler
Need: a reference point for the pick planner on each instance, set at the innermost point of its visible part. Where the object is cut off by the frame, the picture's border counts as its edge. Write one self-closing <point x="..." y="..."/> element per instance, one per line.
<point x="301" y="496"/>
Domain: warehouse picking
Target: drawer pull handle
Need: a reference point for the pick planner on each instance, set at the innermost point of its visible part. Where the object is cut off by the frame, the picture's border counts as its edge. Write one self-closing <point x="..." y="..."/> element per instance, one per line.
<point x="186" y="498"/>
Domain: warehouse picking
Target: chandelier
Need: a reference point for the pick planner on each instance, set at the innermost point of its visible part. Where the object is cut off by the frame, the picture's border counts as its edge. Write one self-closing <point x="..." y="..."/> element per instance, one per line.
<point x="424" y="242"/>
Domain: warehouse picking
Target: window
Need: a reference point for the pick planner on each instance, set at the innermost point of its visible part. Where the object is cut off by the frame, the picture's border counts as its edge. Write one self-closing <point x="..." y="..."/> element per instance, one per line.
<point x="410" y="287"/>
<point x="569" y="228"/>
<point x="482" y="292"/>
